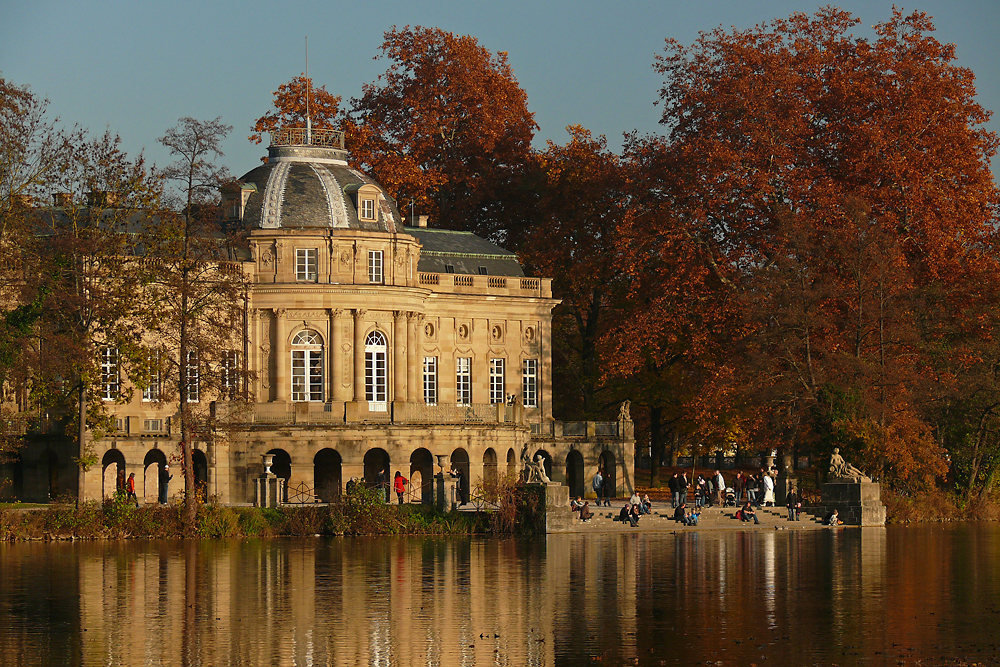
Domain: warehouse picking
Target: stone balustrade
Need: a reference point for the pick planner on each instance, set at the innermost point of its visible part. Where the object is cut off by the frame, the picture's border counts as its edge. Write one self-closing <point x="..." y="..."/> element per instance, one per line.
<point x="457" y="283"/>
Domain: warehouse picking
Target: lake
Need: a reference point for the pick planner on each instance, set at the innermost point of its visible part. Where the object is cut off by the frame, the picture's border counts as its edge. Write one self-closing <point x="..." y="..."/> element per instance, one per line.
<point x="927" y="595"/>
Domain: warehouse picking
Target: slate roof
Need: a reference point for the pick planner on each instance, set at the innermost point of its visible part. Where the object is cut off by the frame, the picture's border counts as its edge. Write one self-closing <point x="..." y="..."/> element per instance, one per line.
<point x="310" y="195"/>
<point x="464" y="251"/>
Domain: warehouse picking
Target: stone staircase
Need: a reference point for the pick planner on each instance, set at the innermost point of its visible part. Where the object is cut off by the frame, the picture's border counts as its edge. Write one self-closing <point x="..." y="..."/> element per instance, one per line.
<point x="660" y="519"/>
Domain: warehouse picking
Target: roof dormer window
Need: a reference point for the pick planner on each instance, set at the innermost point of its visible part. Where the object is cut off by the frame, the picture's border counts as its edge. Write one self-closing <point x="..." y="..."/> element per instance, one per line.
<point x="367" y="209"/>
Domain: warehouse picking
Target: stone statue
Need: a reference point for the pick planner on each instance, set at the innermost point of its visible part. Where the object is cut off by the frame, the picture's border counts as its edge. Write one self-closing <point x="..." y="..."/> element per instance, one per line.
<point x="623" y="412"/>
<point x="844" y="470"/>
<point x="533" y="472"/>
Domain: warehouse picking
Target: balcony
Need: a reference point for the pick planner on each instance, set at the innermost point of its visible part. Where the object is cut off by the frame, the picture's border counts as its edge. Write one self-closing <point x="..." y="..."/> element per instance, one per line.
<point x="457" y="283"/>
<point x="580" y="430"/>
<point x="299" y="136"/>
<point x="236" y="414"/>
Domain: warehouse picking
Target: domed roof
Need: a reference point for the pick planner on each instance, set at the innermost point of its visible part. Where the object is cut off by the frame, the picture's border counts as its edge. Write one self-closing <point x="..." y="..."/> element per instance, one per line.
<point x="306" y="183"/>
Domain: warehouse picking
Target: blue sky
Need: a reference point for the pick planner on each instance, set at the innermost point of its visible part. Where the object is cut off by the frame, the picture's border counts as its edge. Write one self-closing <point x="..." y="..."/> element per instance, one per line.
<point x="136" y="67"/>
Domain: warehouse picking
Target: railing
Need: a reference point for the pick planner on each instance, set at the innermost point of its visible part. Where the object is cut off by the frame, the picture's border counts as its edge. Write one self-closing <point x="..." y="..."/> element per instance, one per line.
<point x="575" y="428"/>
<point x="299" y="136"/>
<point x="581" y="429"/>
<point x="272" y="413"/>
<point x="335" y="413"/>
<point x="487" y="284"/>
<point x="481" y="413"/>
<point x="606" y="428"/>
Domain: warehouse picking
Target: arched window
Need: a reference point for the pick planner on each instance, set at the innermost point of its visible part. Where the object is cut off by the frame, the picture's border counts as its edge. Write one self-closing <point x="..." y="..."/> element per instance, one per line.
<point x="375" y="372"/>
<point x="307" y="366"/>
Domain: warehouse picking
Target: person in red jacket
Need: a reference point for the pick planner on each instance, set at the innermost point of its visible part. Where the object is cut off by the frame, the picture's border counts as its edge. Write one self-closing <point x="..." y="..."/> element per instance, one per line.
<point x="399" y="485"/>
<point x="130" y="489"/>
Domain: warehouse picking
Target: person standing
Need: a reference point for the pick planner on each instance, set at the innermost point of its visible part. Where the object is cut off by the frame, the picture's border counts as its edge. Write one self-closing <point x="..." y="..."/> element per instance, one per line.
<point x="739" y="485"/>
<point x="399" y="486"/>
<point x="720" y="486"/>
<point x="794" y="505"/>
<point x="130" y="489"/>
<point x="674" y="484"/>
<point x="165" y="478"/>
<point x="599" y="486"/>
<point x="683" y="487"/>
<point x="382" y="483"/>
<point x="768" y="490"/>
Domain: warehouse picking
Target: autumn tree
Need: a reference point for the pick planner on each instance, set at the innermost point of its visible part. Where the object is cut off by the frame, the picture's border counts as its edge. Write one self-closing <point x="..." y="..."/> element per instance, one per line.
<point x="90" y="327"/>
<point x="580" y="199"/>
<point x="291" y="102"/>
<point x="199" y="295"/>
<point x="446" y="128"/>
<point x="873" y="149"/>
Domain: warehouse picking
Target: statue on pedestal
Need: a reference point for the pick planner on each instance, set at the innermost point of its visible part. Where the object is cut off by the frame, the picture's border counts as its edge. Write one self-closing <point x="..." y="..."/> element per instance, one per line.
<point x="533" y="472"/>
<point x="839" y="468"/>
<point x="623" y="412"/>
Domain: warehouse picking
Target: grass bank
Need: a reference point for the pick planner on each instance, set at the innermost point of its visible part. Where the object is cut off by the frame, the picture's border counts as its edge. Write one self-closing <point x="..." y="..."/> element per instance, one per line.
<point x="361" y="513"/>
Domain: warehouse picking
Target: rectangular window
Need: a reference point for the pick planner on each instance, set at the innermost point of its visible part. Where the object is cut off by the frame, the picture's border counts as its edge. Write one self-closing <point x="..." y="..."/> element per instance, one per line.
<point x="431" y="380"/>
<point x="229" y="374"/>
<point x="109" y="373"/>
<point x="151" y="392"/>
<point x="152" y="425"/>
<point x="305" y="264"/>
<point x="463" y="380"/>
<point x="529" y="383"/>
<point x="307" y="375"/>
<point x="367" y="209"/>
<point x="497" y="386"/>
<point x="193" y="378"/>
<point x="375" y="266"/>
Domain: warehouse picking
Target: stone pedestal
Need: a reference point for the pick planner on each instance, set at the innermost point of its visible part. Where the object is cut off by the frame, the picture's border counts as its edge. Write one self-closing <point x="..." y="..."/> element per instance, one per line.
<point x="446" y="493"/>
<point x="559" y="517"/>
<point x="268" y="490"/>
<point x="858" y="503"/>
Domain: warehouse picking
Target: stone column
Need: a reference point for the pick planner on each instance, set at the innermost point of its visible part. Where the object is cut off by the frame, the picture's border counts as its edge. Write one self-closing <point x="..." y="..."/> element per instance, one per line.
<point x="281" y="384"/>
<point x="399" y="354"/>
<point x="414" y="360"/>
<point x="336" y="354"/>
<point x="359" y="354"/>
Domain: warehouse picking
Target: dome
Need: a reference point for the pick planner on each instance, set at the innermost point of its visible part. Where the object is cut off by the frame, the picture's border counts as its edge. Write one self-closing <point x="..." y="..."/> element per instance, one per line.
<point x="307" y="184"/>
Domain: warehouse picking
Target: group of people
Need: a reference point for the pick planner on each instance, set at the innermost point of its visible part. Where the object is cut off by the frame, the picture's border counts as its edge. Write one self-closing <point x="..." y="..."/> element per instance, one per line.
<point x="126" y="486"/>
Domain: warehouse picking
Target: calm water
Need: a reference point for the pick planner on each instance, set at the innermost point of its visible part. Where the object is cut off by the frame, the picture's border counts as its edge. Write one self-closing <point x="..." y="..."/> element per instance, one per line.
<point x="922" y="595"/>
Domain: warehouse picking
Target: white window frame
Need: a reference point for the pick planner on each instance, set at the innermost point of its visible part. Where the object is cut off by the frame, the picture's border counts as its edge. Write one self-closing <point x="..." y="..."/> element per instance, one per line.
<point x="497" y="387"/>
<point x="529" y="383"/>
<point x="307" y="367"/>
<point x="152" y="425"/>
<point x="376" y="372"/>
<point x="229" y="374"/>
<point x="306" y="264"/>
<point x="463" y="380"/>
<point x="193" y="377"/>
<point x="151" y="392"/>
<point x="431" y="380"/>
<point x="110" y="376"/>
<point x="367" y="209"/>
<point x="376" y="267"/>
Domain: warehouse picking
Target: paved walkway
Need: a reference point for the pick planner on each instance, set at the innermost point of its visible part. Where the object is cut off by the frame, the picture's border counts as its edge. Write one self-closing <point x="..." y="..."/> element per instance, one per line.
<point x="660" y="519"/>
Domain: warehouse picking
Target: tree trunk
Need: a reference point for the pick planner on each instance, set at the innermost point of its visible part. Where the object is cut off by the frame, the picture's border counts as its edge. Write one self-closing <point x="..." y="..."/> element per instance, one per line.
<point x="81" y="440"/>
<point x="656" y="445"/>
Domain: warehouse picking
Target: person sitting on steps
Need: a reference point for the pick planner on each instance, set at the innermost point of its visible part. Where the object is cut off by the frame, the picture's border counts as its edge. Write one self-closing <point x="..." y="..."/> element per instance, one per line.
<point x="747" y="513"/>
<point x="832" y="519"/>
<point x="585" y="512"/>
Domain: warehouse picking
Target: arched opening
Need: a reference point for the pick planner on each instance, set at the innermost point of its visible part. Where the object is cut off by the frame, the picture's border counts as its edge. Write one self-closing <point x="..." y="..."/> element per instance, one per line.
<point x="574" y="473"/>
<point x="489" y="465"/>
<point x="511" y="462"/>
<point x="327" y="474"/>
<point x="307" y="366"/>
<point x="52" y="465"/>
<point x="546" y="461"/>
<point x="460" y="462"/>
<point x="376" y="385"/>
<point x="377" y="470"/>
<point x="281" y="466"/>
<point x="608" y="465"/>
<point x="152" y="464"/>
<point x="113" y="465"/>
<point x="422" y="475"/>
<point x="200" y="463"/>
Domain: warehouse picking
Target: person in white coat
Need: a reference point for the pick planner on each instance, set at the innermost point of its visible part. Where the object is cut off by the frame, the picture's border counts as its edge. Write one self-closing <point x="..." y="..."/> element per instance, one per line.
<point x="768" y="490"/>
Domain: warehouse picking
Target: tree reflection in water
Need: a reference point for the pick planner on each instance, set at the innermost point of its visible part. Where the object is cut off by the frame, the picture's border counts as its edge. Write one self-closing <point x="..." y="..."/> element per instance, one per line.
<point x="790" y="597"/>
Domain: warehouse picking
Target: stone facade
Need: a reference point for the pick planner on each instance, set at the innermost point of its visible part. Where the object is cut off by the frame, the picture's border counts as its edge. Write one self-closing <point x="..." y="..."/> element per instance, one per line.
<point x="368" y="345"/>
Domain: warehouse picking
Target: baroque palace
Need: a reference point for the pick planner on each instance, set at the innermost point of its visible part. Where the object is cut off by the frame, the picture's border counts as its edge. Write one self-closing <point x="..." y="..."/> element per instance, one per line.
<point x="371" y="346"/>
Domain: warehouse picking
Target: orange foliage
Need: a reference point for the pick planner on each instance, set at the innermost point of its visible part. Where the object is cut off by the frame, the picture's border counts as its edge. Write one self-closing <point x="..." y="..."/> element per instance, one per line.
<point x="290" y="108"/>
<point x="444" y="127"/>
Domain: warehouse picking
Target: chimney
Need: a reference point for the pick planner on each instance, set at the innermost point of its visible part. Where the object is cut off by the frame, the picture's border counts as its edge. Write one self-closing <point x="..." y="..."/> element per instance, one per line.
<point x="63" y="199"/>
<point x="421" y="221"/>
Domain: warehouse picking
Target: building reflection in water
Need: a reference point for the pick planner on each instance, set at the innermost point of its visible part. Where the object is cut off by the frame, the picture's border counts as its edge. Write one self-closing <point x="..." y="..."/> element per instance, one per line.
<point x="794" y="597"/>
